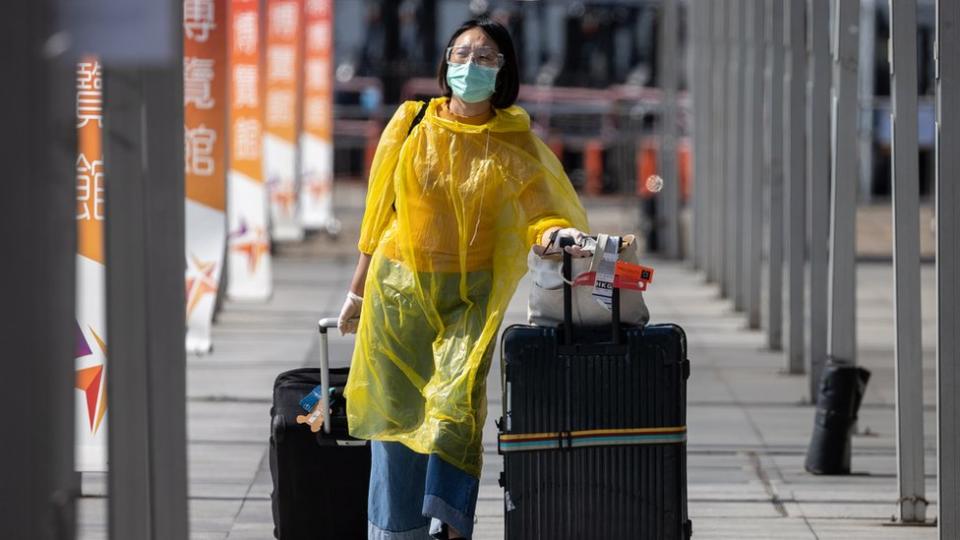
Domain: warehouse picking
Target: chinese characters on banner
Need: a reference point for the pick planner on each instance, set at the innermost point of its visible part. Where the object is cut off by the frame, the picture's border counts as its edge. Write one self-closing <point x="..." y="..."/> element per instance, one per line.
<point x="284" y="35"/>
<point x="248" y="259"/>
<point x="316" y="141"/>
<point x="204" y="137"/>
<point x="90" y="349"/>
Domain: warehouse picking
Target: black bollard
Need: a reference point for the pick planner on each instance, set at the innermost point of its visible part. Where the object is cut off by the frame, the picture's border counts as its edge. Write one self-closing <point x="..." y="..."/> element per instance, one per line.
<point x="841" y="389"/>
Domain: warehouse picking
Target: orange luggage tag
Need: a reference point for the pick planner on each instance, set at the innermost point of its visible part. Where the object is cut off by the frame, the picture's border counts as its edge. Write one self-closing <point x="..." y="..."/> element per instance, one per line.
<point x="626" y="276"/>
<point x="632" y="276"/>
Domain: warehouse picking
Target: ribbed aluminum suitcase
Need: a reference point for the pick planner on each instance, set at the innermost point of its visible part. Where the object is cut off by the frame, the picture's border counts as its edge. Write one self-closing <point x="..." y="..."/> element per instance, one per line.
<point x="593" y="432"/>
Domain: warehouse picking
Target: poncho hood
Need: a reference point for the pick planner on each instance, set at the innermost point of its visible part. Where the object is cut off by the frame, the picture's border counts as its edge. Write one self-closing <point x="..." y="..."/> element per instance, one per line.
<point x="513" y="118"/>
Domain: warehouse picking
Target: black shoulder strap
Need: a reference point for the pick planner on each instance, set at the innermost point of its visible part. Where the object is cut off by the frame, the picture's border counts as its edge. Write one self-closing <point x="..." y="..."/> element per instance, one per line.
<point x="416" y="120"/>
<point x="419" y="116"/>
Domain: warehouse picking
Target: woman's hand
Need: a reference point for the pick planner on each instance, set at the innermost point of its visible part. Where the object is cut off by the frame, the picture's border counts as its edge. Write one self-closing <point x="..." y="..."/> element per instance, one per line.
<point x="350" y="314"/>
<point x="550" y="245"/>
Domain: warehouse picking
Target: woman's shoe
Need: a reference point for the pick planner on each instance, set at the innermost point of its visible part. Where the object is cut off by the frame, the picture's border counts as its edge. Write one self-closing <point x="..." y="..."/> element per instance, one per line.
<point x="444" y="534"/>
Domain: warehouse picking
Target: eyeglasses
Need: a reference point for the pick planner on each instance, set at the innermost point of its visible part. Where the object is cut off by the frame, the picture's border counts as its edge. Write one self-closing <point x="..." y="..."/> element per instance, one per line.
<point x="484" y="56"/>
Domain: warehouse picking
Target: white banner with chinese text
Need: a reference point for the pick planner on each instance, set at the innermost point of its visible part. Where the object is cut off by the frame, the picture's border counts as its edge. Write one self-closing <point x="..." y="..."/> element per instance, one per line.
<point x="249" y="272"/>
<point x="316" y="141"/>
<point x="205" y="137"/>
<point x="283" y="60"/>
<point x="90" y="349"/>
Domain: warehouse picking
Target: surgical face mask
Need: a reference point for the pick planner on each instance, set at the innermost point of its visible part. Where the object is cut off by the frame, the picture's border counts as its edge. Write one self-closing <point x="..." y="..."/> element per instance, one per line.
<point x="471" y="82"/>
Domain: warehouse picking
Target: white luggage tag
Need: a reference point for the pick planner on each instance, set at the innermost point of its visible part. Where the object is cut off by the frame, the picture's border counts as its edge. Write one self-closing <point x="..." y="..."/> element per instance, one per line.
<point x="604" y="264"/>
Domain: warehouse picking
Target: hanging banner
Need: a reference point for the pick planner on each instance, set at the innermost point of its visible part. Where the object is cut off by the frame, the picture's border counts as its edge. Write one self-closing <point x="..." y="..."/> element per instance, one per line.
<point x="316" y="141"/>
<point x="90" y="350"/>
<point x="204" y="102"/>
<point x="249" y="273"/>
<point x="284" y="37"/>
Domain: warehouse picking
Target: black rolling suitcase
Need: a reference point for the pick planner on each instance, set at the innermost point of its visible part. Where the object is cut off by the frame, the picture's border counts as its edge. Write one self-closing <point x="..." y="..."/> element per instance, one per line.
<point x="320" y="479"/>
<point x="593" y="433"/>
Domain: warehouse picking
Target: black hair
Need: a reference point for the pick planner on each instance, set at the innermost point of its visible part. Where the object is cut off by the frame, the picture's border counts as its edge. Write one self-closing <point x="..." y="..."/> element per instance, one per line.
<point x="508" y="78"/>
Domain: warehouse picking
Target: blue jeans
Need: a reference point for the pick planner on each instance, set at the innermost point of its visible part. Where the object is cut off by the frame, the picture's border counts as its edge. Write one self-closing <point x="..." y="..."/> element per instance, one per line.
<point x="412" y="494"/>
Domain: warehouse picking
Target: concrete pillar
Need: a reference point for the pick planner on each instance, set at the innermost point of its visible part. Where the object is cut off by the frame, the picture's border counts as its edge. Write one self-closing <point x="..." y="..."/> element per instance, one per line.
<point x="842" y="340"/>
<point x="818" y="183"/>
<point x="693" y="91"/>
<point x="734" y="155"/>
<point x="702" y="176"/>
<point x="753" y="162"/>
<point x="795" y="178"/>
<point x="668" y="209"/>
<point x="947" y="51"/>
<point x="865" y="82"/>
<point x="143" y="150"/>
<point x="718" y="187"/>
<point x="38" y="491"/>
<point x="906" y="260"/>
<point x="773" y="168"/>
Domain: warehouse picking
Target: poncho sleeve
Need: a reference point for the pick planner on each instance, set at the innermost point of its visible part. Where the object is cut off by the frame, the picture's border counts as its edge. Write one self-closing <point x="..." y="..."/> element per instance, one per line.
<point x="380" y="190"/>
<point x="548" y="199"/>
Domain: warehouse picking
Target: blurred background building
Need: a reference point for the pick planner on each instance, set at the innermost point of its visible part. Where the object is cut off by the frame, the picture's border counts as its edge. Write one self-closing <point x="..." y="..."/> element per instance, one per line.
<point x="590" y="74"/>
<point x="587" y="68"/>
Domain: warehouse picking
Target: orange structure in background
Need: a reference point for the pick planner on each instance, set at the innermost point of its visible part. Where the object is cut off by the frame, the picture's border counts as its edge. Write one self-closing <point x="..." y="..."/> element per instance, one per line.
<point x="648" y="165"/>
<point x="593" y="167"/>
<point x="556" y="146"/>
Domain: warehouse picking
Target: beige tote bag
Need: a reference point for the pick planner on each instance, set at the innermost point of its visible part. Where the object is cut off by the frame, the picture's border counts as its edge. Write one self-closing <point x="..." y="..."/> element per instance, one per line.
<point x="545" y="306"/>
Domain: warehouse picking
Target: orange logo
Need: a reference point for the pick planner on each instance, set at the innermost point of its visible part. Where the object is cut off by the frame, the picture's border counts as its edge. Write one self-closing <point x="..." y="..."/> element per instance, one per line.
<point x="90" y="380"/>
<point x="251" y="242"/>
<point x="200" y="281"/>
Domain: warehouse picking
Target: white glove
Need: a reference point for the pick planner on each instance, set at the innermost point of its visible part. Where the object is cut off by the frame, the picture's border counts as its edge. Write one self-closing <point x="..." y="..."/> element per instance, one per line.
<point x="553" y="246"/>
<point x="350" y="314"/>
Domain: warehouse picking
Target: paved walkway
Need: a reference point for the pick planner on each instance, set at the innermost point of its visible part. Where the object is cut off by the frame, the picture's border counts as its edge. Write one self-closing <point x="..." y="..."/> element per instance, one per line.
<point x="749" y="423"/>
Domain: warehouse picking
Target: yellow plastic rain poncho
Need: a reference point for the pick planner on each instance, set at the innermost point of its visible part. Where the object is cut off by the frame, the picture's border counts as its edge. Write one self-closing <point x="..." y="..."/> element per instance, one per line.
<point x="451" y="212"/>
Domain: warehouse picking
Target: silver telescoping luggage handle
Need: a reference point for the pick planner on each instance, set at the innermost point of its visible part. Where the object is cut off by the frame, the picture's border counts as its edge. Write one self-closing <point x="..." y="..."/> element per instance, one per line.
<point x="325" y="324"/>
<point x="566" y="270"/>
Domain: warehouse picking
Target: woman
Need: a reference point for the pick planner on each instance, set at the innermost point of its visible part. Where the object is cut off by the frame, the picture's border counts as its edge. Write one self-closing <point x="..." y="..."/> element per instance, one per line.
<point x="453" y="207"/>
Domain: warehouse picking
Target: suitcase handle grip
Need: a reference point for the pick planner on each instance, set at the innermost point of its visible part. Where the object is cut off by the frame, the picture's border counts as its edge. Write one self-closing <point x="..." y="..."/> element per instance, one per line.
<point x="567" y="290"/>
<point x="325" y="324"/>
<point x="568" y="298"/>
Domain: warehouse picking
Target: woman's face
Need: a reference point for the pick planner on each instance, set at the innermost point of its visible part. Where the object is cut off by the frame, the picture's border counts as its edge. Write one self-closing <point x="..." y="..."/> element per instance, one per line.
<point x="475" y="38"/>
